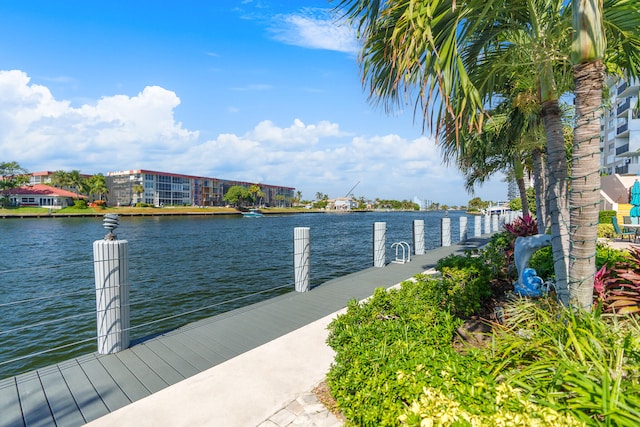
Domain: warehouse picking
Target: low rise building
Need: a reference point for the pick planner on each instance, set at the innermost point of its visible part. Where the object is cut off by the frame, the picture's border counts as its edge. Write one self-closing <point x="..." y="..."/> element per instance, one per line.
<point x="41" y="195"/>
<point x="129" y="187"/>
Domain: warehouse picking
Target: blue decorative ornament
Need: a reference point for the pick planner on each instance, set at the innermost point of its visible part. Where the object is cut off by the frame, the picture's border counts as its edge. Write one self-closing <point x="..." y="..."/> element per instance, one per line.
<point x="531" y="284"/>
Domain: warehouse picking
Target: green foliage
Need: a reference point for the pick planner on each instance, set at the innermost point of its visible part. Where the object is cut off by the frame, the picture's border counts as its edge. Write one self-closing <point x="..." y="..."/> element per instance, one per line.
<point x="542" y="259"/>
<point x="236" y="195"/>
<point x="618" y="288"/>
<point x="498" y="255"/>
<point x="516" y="204"/>
<point x="606" y="255"/>
<point x="12" y="176"/>
<point x="604" y="217"/>
<point x="542" y="262"/>
<point x="376" y="341"/>
<point x="465" y="283"/>
<point x="80" y="204"/>
<point x="582" y="363"/>
<point x="606" y="230"/>
<point x="321" y="204"/>
<point x="476" y="204"/>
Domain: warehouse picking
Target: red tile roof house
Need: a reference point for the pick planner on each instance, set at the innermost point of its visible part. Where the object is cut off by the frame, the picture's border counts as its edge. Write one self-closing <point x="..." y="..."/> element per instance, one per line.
<point x="41" y="195"/>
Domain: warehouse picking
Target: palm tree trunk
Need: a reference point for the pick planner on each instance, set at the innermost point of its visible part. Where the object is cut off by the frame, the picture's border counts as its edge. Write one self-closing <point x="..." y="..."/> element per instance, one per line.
<point x="540" y="185"/>
<point x="522" y="189"/>
<point x="585" y="182"/>
<point x="557" y="197"/>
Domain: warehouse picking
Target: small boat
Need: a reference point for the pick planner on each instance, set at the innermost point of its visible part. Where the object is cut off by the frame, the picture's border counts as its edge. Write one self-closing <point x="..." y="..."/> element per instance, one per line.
<point x="253" y="213"/>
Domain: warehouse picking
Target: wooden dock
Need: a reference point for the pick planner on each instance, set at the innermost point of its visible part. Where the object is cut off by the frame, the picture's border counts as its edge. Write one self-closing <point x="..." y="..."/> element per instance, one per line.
<point x="74" y="392"/>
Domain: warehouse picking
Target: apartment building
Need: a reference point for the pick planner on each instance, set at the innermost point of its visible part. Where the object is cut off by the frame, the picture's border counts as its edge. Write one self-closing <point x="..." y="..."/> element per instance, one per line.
<point x="155" y="188"/>
<point x="620" y="129"/>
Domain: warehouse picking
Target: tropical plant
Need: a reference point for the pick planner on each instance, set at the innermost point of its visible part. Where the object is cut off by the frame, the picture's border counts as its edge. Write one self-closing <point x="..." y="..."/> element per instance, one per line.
<point x="97" y="186"/>
<point x="522" y="226"/>
<point x="582" y="363"/>
<point x="617" y="287"/>
<point x="256" y="193"/>
<point x="434" y="47"/>
<point x="138" y="189"/>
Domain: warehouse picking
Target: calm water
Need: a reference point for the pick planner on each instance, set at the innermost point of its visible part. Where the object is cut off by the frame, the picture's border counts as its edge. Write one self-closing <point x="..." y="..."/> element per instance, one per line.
<point x="177" y="265"/>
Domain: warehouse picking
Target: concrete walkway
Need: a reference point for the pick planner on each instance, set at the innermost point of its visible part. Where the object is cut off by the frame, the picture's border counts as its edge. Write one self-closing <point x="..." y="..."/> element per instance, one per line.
<point x="245" y="390"/>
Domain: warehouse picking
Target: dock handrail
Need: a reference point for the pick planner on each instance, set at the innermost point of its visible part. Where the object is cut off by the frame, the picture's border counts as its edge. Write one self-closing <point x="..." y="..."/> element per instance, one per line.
<point x="406" y="252"/>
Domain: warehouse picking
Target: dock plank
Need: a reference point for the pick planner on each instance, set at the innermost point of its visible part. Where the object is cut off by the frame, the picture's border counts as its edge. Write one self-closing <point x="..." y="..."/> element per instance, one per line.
<point x="165" y="371"/>
<point x="10" y="404"/>
<point x="63" y="406"/>
<point x="141" y="371"/>
<point x="87" y="398"/>
<point x="35" y="408"/>
<point x="108" y="390"/>
<point x="172" y="357"/>
<point x="130" y="384"/>
<point x="194" y="358"/>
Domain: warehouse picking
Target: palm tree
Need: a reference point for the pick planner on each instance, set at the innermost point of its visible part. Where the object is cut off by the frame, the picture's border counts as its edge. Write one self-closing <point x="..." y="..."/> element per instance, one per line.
<point x="432" y="47"/>
<point x="138" y="189"/>
<point x="97" y="185"/>
<point x="597" y="45"/>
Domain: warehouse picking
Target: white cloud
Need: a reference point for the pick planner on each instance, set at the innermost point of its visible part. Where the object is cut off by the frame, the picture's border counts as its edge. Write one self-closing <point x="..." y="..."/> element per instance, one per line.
<point x="315" y="29"/>
<point x="130" y="132"/>
<point x="36" y="129"/>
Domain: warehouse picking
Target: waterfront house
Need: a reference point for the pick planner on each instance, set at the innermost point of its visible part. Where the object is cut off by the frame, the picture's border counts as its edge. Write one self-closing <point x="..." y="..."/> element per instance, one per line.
<point x="342" y="204"/>
<point x="41" y="195"/>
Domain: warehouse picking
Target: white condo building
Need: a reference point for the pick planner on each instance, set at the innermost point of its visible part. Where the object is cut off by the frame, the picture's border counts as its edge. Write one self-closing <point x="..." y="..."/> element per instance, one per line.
<point x="620" y="129"/>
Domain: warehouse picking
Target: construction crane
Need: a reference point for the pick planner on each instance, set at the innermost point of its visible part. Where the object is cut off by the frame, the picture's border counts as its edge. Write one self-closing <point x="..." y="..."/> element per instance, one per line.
<point x="352" y="188"/>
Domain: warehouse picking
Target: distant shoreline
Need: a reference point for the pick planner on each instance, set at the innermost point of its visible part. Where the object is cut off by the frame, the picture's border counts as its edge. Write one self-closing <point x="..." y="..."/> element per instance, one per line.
<point x="151" y="212"/>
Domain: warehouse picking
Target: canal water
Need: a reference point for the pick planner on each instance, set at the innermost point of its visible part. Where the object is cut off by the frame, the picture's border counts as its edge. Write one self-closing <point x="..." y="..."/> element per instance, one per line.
<point x="181" y="269"/>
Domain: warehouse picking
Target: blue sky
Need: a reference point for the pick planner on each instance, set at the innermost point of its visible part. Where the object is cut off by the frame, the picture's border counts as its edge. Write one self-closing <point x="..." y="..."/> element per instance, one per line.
<point x="253" y="90"/>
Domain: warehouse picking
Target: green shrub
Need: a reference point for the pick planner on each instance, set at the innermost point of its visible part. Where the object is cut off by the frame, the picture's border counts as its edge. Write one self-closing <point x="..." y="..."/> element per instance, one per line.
<point x="609" y="256"/>
<point x="606" y="231"/>
<point x="394" y="331"/>
<point x="542" y="259"/>
<point x="80" y="204"/>
<point x="604" y="217"/>
<point x="542" y="262"/>
<point x="498" y="255"/>
<point x="465" y="283"/>
<point x="582" y="363"/>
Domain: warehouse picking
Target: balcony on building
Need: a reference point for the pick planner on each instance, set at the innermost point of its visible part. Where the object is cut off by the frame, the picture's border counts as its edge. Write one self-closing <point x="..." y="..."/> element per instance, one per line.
<point x="622" y="170"/>
<point x="623" y="130"/>
<point x="626" y="90"/>
<point x="624" y="108"/>
<point x="623" y="149"/>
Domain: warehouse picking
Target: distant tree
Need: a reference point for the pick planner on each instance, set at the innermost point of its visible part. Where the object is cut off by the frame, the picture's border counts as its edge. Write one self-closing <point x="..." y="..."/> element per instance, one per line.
<point x="138" y="190"/>
<point x="298" y="197"/>
<point x="13" y="175"/>
<point x="237" y="195"/>
<point x="70" y="180"/>
<point x="256" y="194"/>
<point x="97" y="185"/>
<point x="476" y="204"/>
<point x="279" y="200"/>
<point x="61" y="179"/>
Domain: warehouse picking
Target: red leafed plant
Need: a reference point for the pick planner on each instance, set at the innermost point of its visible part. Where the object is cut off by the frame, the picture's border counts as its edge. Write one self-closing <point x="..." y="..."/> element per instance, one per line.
<point x="617" y="289"/>
<point x="523" y="226"/>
